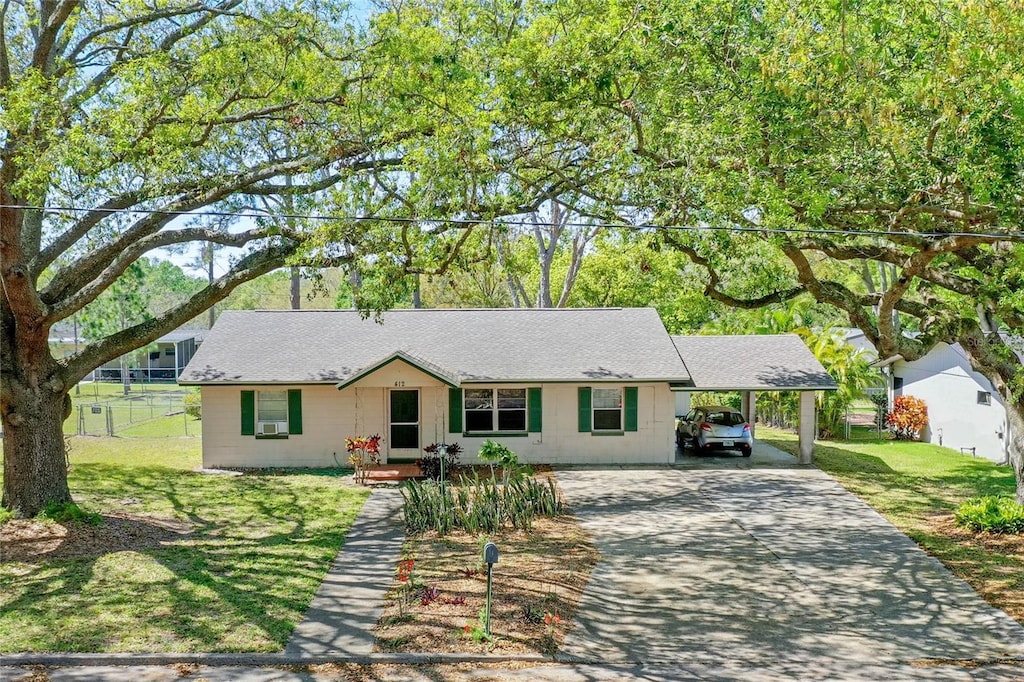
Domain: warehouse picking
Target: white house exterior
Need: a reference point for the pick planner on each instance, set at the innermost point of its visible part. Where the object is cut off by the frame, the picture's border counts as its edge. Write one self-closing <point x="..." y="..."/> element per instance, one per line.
<point x="286" y="388"/>
<point x="964" y="412"/>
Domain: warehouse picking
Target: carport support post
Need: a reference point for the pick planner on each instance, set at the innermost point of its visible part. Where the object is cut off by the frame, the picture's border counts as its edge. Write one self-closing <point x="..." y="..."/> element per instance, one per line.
<point x="749" y="409"/>
<point x="808" y="426"/>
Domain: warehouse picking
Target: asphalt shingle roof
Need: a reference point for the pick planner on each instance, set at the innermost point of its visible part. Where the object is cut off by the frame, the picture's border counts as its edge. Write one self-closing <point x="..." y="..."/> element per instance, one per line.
<point x="324" y="346"/>
<point x="770" y="362"/>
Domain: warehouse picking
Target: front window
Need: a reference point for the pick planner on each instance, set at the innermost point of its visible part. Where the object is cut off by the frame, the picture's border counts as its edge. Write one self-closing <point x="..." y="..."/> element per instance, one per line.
<point x="495" y="409"/>
<point x="607" y="406"/>
<point x="272" y="406"/>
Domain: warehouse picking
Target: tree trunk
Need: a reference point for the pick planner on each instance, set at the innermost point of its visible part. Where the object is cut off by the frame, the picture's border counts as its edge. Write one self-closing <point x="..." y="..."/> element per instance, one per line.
<point x="1015" y="443"/>
<point x="989" y="355"/>
<point x="35" y="462"/>
<point x="296" y="289"/>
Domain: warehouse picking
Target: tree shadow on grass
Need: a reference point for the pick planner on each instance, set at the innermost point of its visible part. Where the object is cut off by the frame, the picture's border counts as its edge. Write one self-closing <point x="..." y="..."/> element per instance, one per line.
<point x="240" y="581"/>
<point x="982" y="478"/>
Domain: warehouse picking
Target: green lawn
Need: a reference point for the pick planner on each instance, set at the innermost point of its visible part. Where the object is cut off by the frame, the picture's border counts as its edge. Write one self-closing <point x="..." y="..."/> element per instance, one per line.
<point x="917" y="486"/>
<point x="104" y="390"/>
<point x="177" y="425"/>
<point x="258" y="549"/>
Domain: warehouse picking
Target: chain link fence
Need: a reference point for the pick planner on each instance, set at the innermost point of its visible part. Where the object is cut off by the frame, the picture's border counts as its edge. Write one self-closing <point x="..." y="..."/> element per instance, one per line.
<point x="147" y="415"/>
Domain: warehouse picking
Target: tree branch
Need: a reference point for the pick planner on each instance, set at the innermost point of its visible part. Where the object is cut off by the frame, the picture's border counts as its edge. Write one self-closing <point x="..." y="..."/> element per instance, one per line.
<point x="68" y="238"/>
<point x="5" y="60"/>
<point x="42" y="56"/>
<point x="89" y="293"/>
<point x="115" y="345"/>
<point x="89" y="267"/>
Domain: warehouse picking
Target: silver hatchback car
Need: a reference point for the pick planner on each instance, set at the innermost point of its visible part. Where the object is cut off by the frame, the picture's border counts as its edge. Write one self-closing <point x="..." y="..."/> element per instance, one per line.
<point x="715" y="428"/>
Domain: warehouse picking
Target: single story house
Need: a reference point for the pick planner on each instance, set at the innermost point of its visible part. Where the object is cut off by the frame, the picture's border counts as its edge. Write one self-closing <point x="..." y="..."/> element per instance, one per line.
<point x="287" y="387"/>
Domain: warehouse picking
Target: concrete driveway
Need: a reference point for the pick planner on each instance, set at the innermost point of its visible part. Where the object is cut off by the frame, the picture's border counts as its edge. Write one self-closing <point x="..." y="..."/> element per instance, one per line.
<point x="733" y="564"/>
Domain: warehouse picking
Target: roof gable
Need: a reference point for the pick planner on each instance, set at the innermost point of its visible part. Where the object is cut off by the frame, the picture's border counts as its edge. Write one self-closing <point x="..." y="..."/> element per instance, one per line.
<point x="445" y="376"/>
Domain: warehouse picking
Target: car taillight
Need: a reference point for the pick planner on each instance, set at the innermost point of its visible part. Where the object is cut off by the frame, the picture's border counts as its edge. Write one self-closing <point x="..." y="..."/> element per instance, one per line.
<point x="705" y="426"/>
<point x="746" y="427"/>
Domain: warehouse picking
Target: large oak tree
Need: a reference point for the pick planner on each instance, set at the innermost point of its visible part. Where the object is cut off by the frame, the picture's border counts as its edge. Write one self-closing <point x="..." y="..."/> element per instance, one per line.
<point x="842" y="136"/>
<point x="118" y="118"/>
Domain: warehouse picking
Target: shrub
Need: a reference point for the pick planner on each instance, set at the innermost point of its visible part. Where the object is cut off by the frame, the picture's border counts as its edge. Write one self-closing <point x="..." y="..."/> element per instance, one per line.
<point x="194" y="404"/>
<point x="908" y="416"/>
<point x="478" y="505"/>
<point x="363" y="451"/>
<point x="493" y="453"/>
<point x="430" y="463"/>
<point x="991" y="513"/>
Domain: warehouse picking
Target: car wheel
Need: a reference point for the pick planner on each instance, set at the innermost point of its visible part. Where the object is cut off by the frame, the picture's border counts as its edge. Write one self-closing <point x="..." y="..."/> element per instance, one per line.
<point x="746" y="452"/>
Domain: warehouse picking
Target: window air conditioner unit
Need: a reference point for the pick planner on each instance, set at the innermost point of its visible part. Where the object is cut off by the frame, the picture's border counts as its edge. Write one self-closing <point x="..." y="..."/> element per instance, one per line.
<point x="271" y="428"/>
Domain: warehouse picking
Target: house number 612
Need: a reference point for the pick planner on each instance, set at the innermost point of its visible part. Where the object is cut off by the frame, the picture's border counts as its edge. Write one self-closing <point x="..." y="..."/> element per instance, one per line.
<point x="399" y="383"/>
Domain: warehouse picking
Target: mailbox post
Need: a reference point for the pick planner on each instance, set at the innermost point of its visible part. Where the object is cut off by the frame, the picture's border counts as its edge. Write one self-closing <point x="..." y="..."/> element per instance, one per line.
<point x="490" y="558"/>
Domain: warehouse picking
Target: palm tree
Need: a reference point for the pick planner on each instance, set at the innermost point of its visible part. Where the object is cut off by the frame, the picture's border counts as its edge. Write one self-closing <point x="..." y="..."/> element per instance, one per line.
<point x="852" y="370"/>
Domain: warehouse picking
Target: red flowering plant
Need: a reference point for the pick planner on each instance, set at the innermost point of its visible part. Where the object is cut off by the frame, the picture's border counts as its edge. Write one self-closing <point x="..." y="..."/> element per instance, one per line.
<point x="408" y="584"/>
<point x="363" y="451"/>
<point x="908" y="417"/>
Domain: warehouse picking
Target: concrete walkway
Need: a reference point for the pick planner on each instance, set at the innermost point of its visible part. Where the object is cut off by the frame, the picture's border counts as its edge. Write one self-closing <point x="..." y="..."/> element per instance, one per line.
<point x="743" y="564"/>
<point x="351" y="598"/>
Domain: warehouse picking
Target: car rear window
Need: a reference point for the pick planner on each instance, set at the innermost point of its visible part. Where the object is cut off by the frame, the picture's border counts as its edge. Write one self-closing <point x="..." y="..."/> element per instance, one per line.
<point x="725" y="418"/>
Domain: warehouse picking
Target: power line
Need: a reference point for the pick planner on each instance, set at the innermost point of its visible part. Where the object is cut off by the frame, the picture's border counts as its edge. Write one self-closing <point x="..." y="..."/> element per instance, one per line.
<point x="473" y="222"/>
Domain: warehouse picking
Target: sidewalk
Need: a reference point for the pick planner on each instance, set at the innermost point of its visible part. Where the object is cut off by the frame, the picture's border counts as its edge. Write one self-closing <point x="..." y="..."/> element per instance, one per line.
<point x="351" y="598"/>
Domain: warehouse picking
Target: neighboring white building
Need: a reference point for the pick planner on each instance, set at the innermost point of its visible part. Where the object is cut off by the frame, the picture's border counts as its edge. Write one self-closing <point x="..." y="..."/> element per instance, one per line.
<point x="964" y="412"/>
<point x="162" y="360"/>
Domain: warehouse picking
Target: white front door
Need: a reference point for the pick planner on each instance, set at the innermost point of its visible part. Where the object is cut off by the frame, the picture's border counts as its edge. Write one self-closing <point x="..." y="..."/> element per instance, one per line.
<point x="404" y="424"/>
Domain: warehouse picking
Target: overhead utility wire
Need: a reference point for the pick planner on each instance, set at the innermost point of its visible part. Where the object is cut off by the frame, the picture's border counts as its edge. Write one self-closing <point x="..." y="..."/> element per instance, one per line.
<point x="1008" y="236"/>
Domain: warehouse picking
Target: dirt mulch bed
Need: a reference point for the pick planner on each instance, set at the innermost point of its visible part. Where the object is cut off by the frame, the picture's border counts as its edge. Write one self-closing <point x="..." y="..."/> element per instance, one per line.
<point x="536" y="588"/>
<point x="999" y="586"/>
<point x="34" y="541"/>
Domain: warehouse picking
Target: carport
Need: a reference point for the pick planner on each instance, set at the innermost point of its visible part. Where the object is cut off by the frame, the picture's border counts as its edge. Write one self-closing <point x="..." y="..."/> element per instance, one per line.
<point x="749" y="364"/>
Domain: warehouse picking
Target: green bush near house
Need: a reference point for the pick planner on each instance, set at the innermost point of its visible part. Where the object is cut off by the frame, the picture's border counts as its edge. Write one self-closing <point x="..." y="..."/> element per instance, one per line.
<point x="193" y="404"/>
<point x="991" y="513"/>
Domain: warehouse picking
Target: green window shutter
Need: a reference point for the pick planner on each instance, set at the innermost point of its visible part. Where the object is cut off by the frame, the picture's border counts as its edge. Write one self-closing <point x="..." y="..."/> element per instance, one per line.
<point x="534" y="419"/>
<point x="248" y="413"/>
<point x="294" y="411"/>
<point x="631" y="398"/>
<point x="454" y="410"/>
<point x="584" y="403"/>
